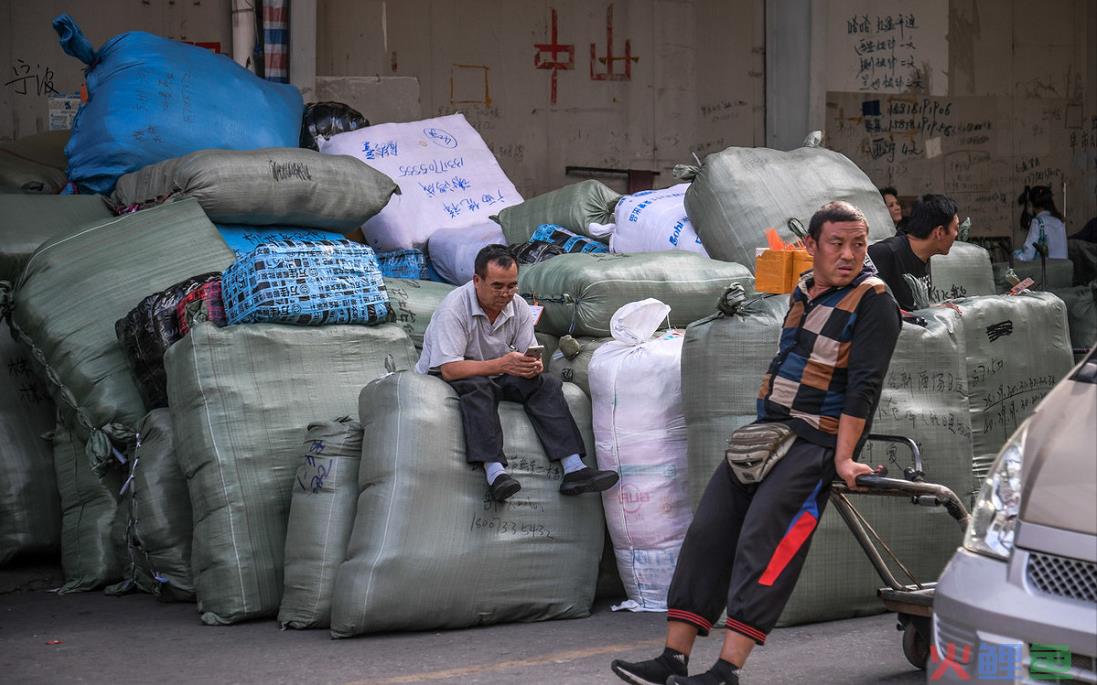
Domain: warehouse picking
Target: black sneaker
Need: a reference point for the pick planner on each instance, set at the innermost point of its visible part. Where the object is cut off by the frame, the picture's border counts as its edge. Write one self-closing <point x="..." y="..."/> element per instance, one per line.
<point x="587" y="479"/>
<point x="722" y="673"/>
<point x="651" y="672"/>
<point x="504" y="487"/>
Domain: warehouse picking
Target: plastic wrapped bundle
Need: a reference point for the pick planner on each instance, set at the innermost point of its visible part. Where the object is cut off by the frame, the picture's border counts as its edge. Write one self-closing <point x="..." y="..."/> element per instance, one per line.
<point x="535" y="253"/>
<point x="147" y="332"/>
<point x="410" y="263"/>
<point x="567" y="241"/>
<point x="305" y="283"/>
<point x="453" y="250"/>
<point x="242" y="238"/>
<point x="199" y="305"/>
<point x="321" y="515"/>
<point x="653" y="221"/>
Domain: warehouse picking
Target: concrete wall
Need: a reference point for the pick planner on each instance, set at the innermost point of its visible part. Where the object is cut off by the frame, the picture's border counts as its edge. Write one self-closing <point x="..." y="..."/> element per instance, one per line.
<point x="1009" y="99"/>
<point x="684" y="77"/>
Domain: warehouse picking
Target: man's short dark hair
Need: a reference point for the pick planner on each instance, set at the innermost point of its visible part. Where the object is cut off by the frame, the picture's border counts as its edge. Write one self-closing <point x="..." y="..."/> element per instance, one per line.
<point x="499" y="255"/>
<point x="837" y="211"/>
<point x="929" y="212"/>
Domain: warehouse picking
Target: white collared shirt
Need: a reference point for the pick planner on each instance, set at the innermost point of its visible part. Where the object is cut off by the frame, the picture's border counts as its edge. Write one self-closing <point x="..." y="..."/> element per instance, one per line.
<point x="460" y="330"/>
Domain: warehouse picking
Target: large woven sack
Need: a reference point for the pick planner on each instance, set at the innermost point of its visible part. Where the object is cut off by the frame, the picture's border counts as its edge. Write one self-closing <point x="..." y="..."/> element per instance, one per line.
<point x="431" y="550"/>
<point x="924" y="398"/>
<point x="34" y="164"/>
<point x="1081" y="303"/>
<point x="738" y="193"/>
<point x="412" y="303"/>
<point x="27" y="221"/>
<point x="321" y="515"/>
<point x="640" y="432"/>
<point x="453" y="250"/>
<point x="964" y="272"/>
<point x="581" y="292"/>
<point x="448" y="178"/>
<point x="723" y="359"/>
<point x="549" y="343"/>
<point x="273" y="186"/>
<point x="572" y="367"/>
<point x="1017" y="349"/>
<point x="654" y="221"/>
<point x="239" y="396"/>
<point x="93" y="524"/>
<point x="30" y="511"/>
<point x="160" y="526"/>
<point x="574" y="207"/>
<point x="1059" y="274"/>
<point x="1083" y="255"/>
<point x="152" y="99"/>
<point x="78" y="284"/>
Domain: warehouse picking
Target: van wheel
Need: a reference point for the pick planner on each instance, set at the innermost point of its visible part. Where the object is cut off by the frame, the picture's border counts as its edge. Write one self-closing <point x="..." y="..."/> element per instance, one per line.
<point x="915" y="647"/>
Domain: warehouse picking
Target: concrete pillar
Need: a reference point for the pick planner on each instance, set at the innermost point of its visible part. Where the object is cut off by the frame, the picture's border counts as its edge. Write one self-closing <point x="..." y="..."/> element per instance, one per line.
<point x="302" y="47"/>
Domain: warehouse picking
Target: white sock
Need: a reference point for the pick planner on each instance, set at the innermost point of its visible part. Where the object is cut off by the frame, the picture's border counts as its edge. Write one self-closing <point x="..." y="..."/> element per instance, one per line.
<point x="493" y="469"/>
<point x="572" y="463"/>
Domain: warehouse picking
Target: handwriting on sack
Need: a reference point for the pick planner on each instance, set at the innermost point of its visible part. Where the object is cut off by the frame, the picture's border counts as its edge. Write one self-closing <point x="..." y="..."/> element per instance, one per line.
<point x="280" y="171"/>
<point x="29" y="388"/>
<point x="513" y="504"/>
<point x="494" y="524"/>
<point x="313" y="474"/>
<point x="440" y="137"/>
<point x="1008" y="404"/>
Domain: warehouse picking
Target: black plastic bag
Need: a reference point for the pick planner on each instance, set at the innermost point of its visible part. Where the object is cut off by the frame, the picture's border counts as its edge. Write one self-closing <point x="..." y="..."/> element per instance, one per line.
<point x="325" y="119"/>
<point x="147" y="332"/>
<point x="535" y="252"/>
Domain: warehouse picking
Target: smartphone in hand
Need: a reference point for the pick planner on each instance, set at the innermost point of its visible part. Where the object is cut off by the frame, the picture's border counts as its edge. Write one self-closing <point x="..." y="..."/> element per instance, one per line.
<point x="535" y="351"/>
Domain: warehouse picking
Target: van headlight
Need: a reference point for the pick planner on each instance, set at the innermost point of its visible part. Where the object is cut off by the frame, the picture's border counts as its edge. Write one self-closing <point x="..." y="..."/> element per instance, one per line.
<point x="994" y="518"/>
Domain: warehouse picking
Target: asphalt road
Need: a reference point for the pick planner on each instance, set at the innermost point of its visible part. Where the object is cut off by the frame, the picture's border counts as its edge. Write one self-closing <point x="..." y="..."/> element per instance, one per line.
<point x="92" y="638"/>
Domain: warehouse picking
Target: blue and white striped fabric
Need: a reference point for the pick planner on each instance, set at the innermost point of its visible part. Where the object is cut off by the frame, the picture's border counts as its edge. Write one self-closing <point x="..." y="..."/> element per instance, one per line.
<point x="276" y="40"/>
<point x="305" y="283"/>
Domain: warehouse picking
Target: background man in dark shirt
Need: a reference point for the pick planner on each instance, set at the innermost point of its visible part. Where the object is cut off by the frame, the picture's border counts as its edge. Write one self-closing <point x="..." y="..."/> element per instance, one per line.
<point x="930" y="229"/>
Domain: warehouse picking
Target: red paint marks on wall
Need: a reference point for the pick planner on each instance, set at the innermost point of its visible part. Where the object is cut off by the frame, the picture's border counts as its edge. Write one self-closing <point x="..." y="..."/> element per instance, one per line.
<point x="610" y="72"/>
<point x="548" y="56"/>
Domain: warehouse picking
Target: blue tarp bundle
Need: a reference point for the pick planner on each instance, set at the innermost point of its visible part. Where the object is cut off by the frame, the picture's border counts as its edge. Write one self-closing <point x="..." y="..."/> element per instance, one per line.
<point x="152" y="99"/>
<point x="243" y="239"/>
<point x="409" y="263"/>
<point x="305" y="283"/>
<point x="568" y="241"/>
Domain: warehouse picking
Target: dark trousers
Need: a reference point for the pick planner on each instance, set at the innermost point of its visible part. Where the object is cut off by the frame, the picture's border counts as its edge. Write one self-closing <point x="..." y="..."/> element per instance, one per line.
<point x="747" y="543"/>
<point x="544" y="402"/>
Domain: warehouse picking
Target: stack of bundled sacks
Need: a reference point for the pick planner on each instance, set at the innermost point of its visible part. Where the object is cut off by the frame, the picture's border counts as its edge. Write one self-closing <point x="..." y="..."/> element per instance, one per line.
<point x="212" y="342"/>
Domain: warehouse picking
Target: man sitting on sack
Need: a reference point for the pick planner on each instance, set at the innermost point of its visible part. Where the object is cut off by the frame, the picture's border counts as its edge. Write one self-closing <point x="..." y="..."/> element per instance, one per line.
<point x="477" y="341"/>
<point x="903" y="259"/>
<point x="754" y="523"/>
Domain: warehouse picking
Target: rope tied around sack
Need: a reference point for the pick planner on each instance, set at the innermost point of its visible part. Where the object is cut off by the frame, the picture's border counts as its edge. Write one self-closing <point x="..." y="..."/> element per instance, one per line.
<point x="100" y="448"/>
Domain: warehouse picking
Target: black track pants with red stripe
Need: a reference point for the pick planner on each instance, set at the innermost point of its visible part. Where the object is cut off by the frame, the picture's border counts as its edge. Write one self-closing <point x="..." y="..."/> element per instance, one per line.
<point x="747" y="543"/>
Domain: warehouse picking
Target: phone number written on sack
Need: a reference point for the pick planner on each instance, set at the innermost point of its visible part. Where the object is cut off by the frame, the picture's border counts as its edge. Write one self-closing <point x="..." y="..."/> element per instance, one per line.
<point x="505" y="527"/>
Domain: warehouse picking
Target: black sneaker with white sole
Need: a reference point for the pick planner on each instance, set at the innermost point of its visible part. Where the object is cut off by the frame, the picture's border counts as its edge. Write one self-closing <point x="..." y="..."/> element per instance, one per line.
<point x="587" y="479"/>
<point x="653" y="671"/>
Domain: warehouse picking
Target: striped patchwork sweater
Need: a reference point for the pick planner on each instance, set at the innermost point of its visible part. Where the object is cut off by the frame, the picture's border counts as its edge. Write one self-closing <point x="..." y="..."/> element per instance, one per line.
<point x="833" y="355"/>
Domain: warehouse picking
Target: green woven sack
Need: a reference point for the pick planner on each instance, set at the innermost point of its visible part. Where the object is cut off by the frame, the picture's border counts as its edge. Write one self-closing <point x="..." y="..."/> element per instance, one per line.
<point x="34" y="164"/>
<point x="93" y="525"/>
<point x="274" y="186"/>
<point x="1017" y="349"/>
<point x="239" y="396"/>
<point x="1081" y="303"/>
<point x="581" y="292"/>
<point x="1060" y="274"/>
<point x="412" y="303"/>
<point x="30" y="511"/>
<point x="574" y="369"/>
<point x="738" y="193"/>
<point x="78" y="284"/>
<point x="321" y="515"/>
<point x="964" y="272"/>
<point x="431" y="550"/>
<point x="574" y="207"/>
<point x="27" y="221"/>
<point x="160" y="523"/>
